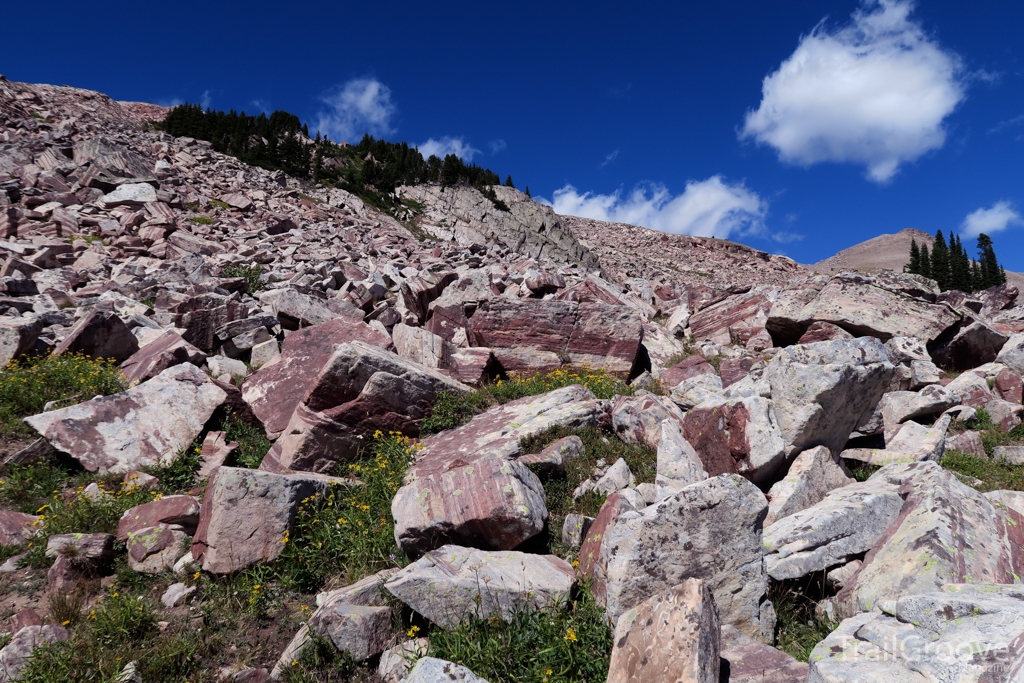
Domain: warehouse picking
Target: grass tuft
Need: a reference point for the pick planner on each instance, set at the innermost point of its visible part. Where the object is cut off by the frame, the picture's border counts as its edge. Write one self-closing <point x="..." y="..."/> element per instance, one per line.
<point x="995" y="475"/>
<point x="798" y="629"/>
<point x="570" y="642"/>
<point x="253" y="275"/>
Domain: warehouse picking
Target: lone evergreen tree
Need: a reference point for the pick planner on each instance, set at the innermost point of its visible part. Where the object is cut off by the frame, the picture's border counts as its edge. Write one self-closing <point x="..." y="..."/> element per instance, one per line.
<point x="508" y="182"/>
<point x="527" y="191"/>
<point x="991" y="272"/>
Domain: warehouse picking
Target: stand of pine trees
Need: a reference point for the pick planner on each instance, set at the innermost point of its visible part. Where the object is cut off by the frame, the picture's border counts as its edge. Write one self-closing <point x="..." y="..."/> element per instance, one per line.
<point x="951" y="267"/>
<point x="371" y="170"/>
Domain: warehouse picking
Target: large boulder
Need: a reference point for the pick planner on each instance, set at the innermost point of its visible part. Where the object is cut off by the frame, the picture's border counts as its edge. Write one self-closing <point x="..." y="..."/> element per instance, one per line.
<point x="295" y="309"/>
<point x="246" y="516"/>
<point x="899" y="406"/>
<point x="275" y="391"/>
<point x="718" y="322"/>
<point x="883" y="307"/>
<point x="678" y="463"/>
<point x="100" y="334"/>
<point x="741" y="436"/>
<point x="16" y="527"/>
<point x="361" y="389"/>
<point x="846" y="523"/>
<point x="811" y="477"/>
<point x="959" y="632"/>
<point x="1012" y="353"/>
<point x="537" y="335"/>
<point x="967" y="346"/>
<point x="142" y="427"/>
<point x="16" y="654"/>
<point x="671" y="636"/>
<point x="452" y="583"/>
<point x="433" y="670"/>
<point x="499" y="512"/>
<point x="709" y="530"/>
<point x="946" y="532"/>
<point x="823" y="391"/>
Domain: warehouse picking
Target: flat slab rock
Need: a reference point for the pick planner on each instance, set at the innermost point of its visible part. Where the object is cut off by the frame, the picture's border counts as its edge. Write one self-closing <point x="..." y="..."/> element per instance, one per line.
<point x="451" y="583"/>
<point x="535" y="335"/>
<point x="433" y="670"/>
<point x="960" y="632"/>
<point x="142" y="427"/>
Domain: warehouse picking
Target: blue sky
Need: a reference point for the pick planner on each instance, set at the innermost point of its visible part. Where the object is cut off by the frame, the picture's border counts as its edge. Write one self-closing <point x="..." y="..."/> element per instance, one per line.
<point x="799" y="127"/>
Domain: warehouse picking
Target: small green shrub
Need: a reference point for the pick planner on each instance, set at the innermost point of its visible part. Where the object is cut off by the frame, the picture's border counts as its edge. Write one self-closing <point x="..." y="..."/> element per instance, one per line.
<point x="179" y="474"/>
<point x="28" y="384"/>
<point x="570" y="642"/>
<point x="348" y="531"/>
<point x="452" y="410"/>
<point x="201" y="220"/>
<point x="252" y="274"/>
<point x="995" y="475"/>
<point x="220" y="204"/>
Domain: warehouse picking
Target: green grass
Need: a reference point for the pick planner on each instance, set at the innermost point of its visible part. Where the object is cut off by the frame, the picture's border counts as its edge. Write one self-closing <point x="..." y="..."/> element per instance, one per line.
<point x="861" y="471"/>
<point x="995" y="475"/>
<point x="119" y="629"/>
<point x="220" y="204"/>
<point x="321" y="662"/>
<point x="452" y="410"/>
<point x="252" y="274"/>
<point x="252" y="441"/>
<point x="201" y="220"/>
<point x="27" y="385"/>
<point x="797" y="628"/>
<point x="570" y="642"/>
<point x="180" y="473"/>
<point x="348" y="532"/>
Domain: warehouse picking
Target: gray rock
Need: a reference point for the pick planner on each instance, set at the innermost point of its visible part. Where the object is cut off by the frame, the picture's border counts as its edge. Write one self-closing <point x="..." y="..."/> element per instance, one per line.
<point x="396" y="661"/>
<point x="15" y="655"/>
<point x="709" y="530"/>
<point x="811" y="477"/>
<point x="671" y="636"/>
<point x="737" y="436"/>
<point x="247" y="514"/>
<point x="130" y="194"/>
<point x="17" y="335"/>
<point x="175" y="594"/>
<point x="574" y="529"/>
<point x="823" y="391"/>
<point x="946" y="531"/>
<point x="1007" y="500"/>
<point x="911" y="443"/>
<point x="358" y="630"/>
<point x="142" y="427"/>
<point x="899" y="406"/>
<point x="963" y="632"/>
<point x="751" y="661"/>
<point x="637" y="419"/>
<point x="1012" y="353"/>
<point x="617" y="477"/>
<point x="849" y="521"/>
<point x="220" y="365"/>
<point x="433" y="670"/>
<point x="1013" y="455"/>
<point x="264" y="354"/>
<point x="422" y="346"/>
<point x="100" y="335"/>
<point x="678" y="463"/>
<point x="451" y="583"/>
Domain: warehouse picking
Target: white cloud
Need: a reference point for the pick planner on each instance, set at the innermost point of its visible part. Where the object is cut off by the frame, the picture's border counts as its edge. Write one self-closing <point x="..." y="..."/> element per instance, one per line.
<point x="873" y="92"/>
<point x="999" y="216"/>
<point x="498" y="145"/>
<point x="609" y="159"/>
<point x="205" y="100"/>
<point x="445" y="146"/>
<point x="706" y="208"/>
<point x="362" y="105"/>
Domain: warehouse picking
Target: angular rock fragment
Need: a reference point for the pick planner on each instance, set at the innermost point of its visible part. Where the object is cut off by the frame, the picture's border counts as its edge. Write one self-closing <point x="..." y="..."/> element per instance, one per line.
<point x="671" y="636"/>
<point x="452" y="583"/>
<point x="100" y="335"/>
<point x="740" y="437"/>
<point x="811" y="477"/>
<point x="142" y="427"/>
<point x="751" y="661"/>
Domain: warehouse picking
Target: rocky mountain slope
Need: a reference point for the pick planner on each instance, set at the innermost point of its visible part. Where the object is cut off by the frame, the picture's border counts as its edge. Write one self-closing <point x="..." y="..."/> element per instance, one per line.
<point x="334" y="443"/>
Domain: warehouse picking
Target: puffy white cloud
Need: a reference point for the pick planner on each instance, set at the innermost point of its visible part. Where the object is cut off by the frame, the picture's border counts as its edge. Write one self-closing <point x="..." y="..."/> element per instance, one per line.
<point x="444" y="146"/>
<point x="873" y="92"/>
<point x="706" y="208"/>
<point x="999" y="216"/>
<point x="362" y="105"/>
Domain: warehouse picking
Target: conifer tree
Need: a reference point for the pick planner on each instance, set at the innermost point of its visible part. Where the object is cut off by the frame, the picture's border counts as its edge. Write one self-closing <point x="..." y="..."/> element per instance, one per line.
<point x="991" y="272"/>
<point x="527" y="191"/>
<point x="940" y="261"/>
<point x="915" y="259"/>
<point x="926" y="263"/>
<point x="509" y="183"/>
